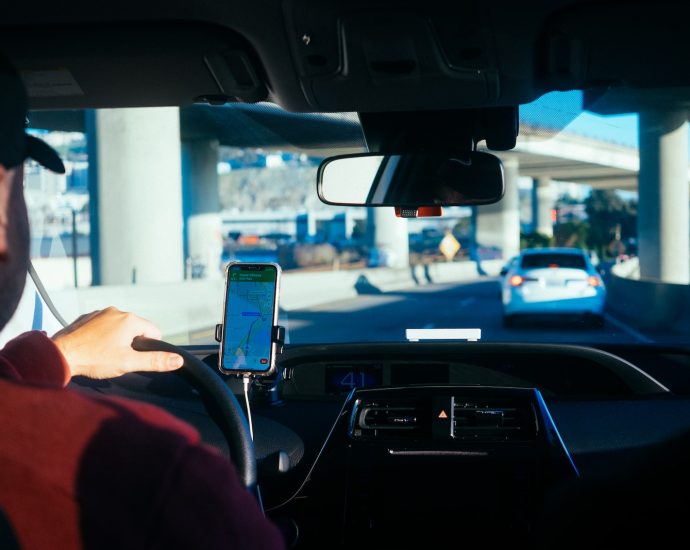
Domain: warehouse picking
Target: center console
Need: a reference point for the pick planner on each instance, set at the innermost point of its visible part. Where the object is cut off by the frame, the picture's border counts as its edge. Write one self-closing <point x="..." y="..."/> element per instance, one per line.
<point x="420" y="465"/>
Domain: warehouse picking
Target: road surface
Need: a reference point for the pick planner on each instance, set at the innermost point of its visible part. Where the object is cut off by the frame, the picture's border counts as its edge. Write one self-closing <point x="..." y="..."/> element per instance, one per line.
<point x="384" y="317"/>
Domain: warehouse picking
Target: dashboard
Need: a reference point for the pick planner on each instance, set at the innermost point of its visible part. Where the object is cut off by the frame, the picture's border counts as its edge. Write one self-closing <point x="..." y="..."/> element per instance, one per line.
<point x="563" y="371"/>
<point x="386" y="440"/>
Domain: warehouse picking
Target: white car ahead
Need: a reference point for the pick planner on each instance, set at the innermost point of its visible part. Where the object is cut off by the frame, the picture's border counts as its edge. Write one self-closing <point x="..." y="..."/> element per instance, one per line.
<point x="558" y="282"/>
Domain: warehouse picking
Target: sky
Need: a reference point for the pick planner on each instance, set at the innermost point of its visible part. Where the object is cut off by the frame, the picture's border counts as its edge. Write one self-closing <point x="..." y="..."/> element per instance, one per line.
<point x="563" y="110"/>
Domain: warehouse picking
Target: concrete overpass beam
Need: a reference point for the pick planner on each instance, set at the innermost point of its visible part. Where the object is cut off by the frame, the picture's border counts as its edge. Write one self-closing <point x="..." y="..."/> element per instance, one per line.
<point x="204" y="242"/>
<point x="499" y="224"/>
<point x="664" y="199"/>
<point x="543" y="203"/>
<point x="135" y="173"/>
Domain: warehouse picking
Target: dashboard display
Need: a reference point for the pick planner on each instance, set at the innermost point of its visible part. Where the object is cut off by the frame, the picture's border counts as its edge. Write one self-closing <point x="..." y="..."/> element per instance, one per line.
<point x="343" y="378"/>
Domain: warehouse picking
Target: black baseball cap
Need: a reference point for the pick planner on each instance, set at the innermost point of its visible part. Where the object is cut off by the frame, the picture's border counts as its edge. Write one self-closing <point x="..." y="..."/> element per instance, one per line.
<point x="15" y="144"/>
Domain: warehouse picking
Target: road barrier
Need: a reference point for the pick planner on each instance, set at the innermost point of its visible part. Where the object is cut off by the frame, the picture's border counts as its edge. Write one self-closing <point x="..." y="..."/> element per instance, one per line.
<point x="647" y="304"/>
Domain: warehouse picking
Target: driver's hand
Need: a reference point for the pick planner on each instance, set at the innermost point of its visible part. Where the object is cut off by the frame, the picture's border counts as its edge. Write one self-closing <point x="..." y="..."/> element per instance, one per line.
<point x="99" y="345"/>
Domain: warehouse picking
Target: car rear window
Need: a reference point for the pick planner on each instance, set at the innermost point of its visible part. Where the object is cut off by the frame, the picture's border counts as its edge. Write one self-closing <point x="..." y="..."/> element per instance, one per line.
<point x="532" y="261"/>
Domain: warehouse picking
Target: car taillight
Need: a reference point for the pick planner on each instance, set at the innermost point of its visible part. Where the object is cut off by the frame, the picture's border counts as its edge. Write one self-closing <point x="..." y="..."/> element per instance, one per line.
<point x="593" y="280"/>
<point x="516" y="280"/>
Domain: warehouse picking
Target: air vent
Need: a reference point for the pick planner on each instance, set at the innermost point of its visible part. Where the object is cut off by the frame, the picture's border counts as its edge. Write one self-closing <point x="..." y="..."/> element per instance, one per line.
<point x="497" y="420"/>
<point x="386" y="419"/>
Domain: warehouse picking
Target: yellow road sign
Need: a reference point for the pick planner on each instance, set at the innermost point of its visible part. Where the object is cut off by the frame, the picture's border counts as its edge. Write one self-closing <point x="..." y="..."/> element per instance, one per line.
<point x="449" y="246"/>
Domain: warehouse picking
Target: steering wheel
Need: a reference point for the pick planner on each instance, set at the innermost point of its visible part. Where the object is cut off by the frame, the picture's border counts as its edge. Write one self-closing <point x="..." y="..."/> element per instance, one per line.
<point x="221" y="404"/>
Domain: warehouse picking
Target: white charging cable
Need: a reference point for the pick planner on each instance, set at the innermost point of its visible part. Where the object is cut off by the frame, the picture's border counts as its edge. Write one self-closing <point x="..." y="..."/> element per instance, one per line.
<point x="245" y="382"/>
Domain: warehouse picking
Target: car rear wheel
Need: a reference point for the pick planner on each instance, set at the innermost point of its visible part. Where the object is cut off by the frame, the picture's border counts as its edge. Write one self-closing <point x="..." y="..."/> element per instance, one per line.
<point x="508" y="321"/>
<point x="593" y="320"/>
<point x="597" y="321"/>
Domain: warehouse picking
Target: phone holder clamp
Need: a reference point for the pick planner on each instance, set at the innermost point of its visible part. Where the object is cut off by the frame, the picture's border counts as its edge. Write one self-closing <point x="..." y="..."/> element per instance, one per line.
<point x="277" y="335"/>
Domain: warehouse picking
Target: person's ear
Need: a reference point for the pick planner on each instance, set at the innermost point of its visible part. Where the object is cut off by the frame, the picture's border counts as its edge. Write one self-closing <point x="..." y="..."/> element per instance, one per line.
<point x="5" y="190"/>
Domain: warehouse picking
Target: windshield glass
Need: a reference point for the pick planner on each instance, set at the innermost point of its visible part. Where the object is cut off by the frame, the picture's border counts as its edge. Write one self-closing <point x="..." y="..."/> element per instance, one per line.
<point x="553" y="260"/>
<point x="157" y="201"/>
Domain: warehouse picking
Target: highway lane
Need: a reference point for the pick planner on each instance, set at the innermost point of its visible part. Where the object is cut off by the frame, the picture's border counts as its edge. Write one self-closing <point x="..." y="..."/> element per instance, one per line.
<point x="384" y="317"/>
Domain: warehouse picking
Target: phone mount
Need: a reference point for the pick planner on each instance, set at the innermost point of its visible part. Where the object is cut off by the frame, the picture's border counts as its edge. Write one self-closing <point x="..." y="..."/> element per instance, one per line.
<point x="277" y="336"/>
<point x="265" y="389"/>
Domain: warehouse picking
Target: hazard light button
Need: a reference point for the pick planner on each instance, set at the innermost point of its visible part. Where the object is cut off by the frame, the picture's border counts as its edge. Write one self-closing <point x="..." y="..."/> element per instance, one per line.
<point x="442" y="417"/>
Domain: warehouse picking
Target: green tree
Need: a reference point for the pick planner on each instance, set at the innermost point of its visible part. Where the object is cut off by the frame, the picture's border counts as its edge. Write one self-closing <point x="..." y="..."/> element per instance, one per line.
<point x="535" y="240"/>
<point x="607" y="211"/>
<point x="571" y="234"/>
<point x="462" y="228"/>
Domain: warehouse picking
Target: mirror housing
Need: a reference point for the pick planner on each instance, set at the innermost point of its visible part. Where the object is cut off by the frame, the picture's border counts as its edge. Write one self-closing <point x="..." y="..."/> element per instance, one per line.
<point x="411" y="180"/>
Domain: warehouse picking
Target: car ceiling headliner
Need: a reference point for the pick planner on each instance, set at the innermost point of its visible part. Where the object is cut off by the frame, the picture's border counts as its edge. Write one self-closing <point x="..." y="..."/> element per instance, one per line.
<point x="319" y="55"/>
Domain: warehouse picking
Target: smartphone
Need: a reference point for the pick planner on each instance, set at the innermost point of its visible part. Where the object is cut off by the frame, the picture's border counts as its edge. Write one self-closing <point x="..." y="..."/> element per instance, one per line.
<point x="250" y="311"/>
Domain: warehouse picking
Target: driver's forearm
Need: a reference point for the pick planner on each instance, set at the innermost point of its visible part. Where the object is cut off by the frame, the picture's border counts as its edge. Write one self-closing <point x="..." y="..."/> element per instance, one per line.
<point x="32" y="357"/>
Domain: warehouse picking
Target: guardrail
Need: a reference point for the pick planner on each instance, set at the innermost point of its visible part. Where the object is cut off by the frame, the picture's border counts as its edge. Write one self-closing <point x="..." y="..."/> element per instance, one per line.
<point x="648" y="304"/>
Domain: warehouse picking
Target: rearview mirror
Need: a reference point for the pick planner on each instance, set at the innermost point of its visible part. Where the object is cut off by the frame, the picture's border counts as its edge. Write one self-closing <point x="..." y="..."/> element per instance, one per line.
<point x="372" y="179"/>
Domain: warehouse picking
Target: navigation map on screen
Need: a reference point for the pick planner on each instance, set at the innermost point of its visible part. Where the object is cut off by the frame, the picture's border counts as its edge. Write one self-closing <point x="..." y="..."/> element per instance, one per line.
<point x="249" y="319"/>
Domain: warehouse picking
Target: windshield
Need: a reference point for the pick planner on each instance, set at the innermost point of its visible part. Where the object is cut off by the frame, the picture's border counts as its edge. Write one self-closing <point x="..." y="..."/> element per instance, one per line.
<point x="157" y="201"/>
<point x="553" y="260"/>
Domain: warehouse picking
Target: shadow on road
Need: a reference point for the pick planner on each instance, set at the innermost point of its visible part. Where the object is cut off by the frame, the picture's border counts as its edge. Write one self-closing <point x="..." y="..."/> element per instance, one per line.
<point x="363" y="286"/>
<point x="545" y="323"/>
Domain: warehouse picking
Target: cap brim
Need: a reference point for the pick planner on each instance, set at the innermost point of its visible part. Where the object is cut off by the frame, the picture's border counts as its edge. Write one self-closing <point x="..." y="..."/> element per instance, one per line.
<point x="44" y="154"/>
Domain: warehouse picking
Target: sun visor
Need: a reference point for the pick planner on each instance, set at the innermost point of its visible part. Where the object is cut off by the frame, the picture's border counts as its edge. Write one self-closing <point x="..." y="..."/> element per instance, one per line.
<point x="132" y="65"/>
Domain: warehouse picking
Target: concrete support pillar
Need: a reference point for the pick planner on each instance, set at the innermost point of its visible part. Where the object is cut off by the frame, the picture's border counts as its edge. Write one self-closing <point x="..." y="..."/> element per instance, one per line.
<point x="389" y="237"/>
<point x="340" y="227"/>
<point x="664" y="200"/>
<point x="139" y="195"/>
<point x="499" y="224"/>
<point x="543" y="203"/>
<point x="349" y="223"/>
<point x="204" y="241"/>
<point x="305" y="227"/>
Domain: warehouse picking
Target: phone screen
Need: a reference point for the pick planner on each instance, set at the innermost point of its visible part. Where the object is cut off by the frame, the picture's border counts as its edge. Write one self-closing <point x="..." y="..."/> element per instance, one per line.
<point x="249" y="317"/>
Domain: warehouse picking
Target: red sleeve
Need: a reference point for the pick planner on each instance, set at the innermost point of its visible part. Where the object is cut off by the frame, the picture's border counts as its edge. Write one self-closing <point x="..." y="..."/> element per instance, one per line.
<point x="205" y="506"/>
<point x="144" y="476"/>
<point x="32" y="357"/>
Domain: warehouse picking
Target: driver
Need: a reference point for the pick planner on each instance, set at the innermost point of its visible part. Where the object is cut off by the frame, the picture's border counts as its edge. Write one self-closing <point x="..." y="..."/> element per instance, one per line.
<point x="78" y="471"/>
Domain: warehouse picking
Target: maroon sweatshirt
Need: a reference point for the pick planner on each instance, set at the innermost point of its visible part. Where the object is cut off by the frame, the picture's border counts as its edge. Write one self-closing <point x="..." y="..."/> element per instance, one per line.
<point x="84" y="472"/>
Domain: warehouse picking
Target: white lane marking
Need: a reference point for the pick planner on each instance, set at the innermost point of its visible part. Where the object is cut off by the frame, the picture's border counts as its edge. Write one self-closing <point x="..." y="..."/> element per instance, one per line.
<point x="467" y="301"/>
<point x="631" y="331"/>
